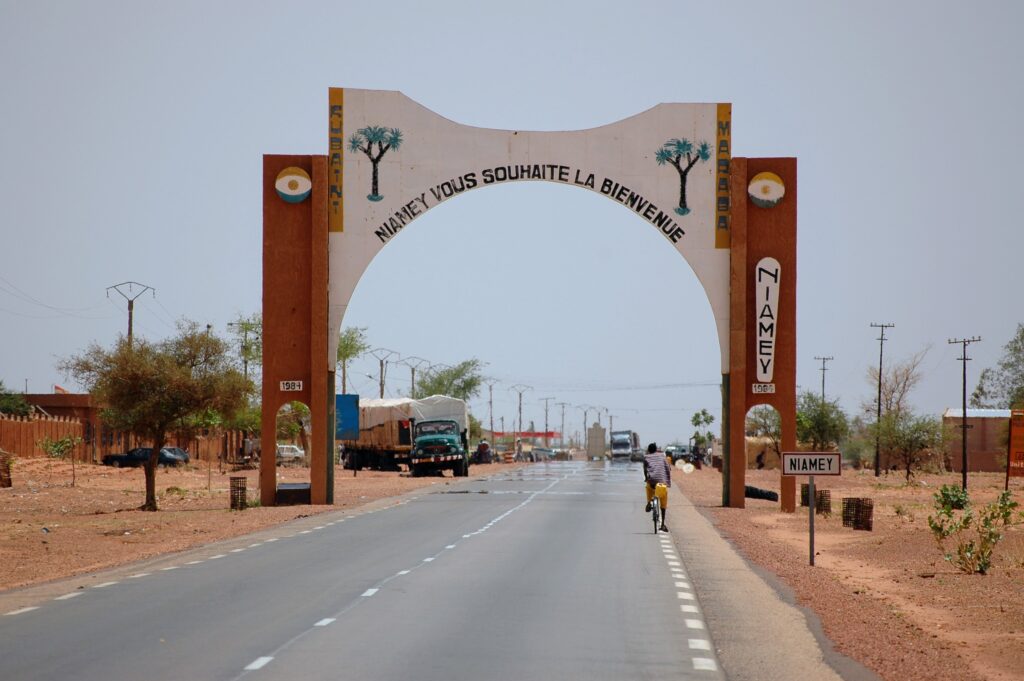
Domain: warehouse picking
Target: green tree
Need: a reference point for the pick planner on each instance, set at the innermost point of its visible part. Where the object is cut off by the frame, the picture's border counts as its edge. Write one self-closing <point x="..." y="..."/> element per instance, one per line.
<point x="13" y="403"/>
<point x="681" y="155"/>
<point x="375" y="141"/>
<point x="61" y="448"/>
<point x="763" y="421"/>
<point x="351" y="343"/>
<point x="1003" y="386"/>
<point x="152" y="388"/>
<point x="820" y="423"/>
<point x="462" y="381"/>
<point x="703" y="436"/>
<point x="908" y="438"/>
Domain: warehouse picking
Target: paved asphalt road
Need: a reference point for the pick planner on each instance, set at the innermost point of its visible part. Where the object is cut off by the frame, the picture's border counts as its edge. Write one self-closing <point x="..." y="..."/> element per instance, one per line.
<point x="545" y="572"/>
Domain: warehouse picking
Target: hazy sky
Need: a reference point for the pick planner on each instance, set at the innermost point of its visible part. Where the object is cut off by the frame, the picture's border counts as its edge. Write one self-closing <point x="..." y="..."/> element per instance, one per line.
<point x="132" y="135"/>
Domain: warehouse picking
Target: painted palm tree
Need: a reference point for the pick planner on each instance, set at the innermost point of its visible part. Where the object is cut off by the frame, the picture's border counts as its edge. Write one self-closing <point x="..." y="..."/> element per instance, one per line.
<point x="375" y="141"/>
<point x="673" y="152"/>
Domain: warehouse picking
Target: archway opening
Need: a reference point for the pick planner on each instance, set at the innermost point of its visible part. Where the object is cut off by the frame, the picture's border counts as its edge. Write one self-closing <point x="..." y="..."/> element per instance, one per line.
<point x="292" y="453"/>
<point x="605" y="318"/>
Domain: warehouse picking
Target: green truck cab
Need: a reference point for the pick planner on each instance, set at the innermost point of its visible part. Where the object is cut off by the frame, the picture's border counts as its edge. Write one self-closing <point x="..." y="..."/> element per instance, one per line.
<point x="439" y="445"/>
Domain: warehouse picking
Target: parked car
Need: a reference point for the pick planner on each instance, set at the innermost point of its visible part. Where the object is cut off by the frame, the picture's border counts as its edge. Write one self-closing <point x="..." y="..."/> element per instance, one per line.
<point x="134" y="458"/>
<point x="543" y="454"/>
<point x="287" y="453"/>
<point x="678" y="452"/>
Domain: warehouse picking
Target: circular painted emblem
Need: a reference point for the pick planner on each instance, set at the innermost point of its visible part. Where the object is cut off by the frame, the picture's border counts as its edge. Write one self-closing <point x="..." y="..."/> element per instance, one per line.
<point x="293" y="184"/>
<point x="766" y="189"/>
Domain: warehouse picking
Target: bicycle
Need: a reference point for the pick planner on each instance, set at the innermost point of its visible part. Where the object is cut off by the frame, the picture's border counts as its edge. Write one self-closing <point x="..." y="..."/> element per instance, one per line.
<point x="656" y="512"/>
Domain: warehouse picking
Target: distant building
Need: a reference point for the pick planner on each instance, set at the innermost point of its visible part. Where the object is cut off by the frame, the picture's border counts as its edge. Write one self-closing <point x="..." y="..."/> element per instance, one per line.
<point x="986" y="439"/>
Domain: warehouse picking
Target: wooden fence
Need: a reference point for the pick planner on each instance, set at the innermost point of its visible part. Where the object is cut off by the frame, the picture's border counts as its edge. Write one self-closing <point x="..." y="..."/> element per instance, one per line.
<point x="20" y="435"/>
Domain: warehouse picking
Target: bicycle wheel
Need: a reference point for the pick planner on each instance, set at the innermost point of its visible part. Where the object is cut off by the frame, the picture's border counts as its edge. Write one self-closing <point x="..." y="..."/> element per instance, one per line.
<point x="656" y="513"/>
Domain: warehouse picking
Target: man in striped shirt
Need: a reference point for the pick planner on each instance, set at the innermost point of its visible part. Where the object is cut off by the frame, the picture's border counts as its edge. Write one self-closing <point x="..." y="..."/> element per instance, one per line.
<point x="658" y="478"/>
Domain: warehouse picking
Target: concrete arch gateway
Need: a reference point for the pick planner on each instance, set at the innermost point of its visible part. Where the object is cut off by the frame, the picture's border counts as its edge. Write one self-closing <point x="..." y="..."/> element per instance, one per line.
<point x="389" y="160"/>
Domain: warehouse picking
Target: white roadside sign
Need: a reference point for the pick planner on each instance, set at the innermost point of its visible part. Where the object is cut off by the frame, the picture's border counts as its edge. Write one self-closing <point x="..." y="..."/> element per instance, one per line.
<point x="811" y="463"/>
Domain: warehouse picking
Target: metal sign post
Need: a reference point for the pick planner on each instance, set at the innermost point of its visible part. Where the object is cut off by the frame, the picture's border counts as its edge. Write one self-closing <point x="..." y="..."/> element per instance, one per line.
<point x="811" y="464"/>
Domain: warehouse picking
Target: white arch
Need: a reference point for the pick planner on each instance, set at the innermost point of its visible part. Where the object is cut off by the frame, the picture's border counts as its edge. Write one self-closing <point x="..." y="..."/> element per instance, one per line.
<point x="436" y="159"/>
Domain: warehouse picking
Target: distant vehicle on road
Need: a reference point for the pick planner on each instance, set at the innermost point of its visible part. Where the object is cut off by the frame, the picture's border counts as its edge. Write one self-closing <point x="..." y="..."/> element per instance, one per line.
<point x="684" y="452"/>
<point x="133" y="458"/>
<point x="626" y="445"/>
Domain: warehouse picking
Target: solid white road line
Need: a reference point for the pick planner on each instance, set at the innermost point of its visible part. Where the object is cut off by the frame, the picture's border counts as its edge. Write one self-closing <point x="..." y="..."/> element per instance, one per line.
<point x="258" y="663"/>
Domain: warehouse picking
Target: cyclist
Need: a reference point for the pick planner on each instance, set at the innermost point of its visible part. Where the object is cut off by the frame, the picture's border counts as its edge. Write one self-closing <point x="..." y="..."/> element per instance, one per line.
<point x="657" y="478"/>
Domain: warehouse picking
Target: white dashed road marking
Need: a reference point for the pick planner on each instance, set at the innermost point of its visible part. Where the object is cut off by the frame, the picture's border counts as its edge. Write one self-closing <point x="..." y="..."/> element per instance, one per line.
<point x="69" y="596"/>
<point x="258" y="663"/>
<point x="694" y="624"/>
<point x="369" y="592"/>
<point x="324" y="622"/>
<point x="22" y="610"/>
<point x="704" y="664"/>
<point x="140" y="574"/>
<point x="172" y="567"/>
<point x="104" y="585"/>
<point x="699" y="644"/>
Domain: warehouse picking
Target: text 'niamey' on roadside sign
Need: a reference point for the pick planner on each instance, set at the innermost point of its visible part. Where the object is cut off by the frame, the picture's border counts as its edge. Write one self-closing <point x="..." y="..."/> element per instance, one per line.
<point x="811" y="463"/>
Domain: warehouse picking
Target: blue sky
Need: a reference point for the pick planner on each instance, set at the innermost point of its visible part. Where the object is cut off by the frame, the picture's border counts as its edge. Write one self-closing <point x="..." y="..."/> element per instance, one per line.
<point x="133" y="134"/>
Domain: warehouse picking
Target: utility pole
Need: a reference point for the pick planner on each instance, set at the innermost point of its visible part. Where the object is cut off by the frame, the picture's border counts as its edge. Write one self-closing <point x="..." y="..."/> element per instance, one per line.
<point x="878" y="422"/>
<point x="490" y="404"/>
<point x="586" y="431"/>
<point x="963" y="415"/>
<point x="520" y="388"/>
<point x="823" y="370"/>
<point x="382" y="355"/>
<point x="245" y="325"/>
<point x="413" y="363"/>
<point x="131" y="285"/>
<point x="561" y="432"/>
<point x="545" y="400"/>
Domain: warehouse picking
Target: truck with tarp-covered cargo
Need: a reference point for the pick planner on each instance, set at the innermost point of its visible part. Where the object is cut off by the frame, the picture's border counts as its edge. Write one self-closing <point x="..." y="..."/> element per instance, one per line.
<point x="428" y="434"/>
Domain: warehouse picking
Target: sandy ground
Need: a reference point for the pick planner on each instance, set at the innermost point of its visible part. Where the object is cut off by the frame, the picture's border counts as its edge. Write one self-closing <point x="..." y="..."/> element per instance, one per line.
<point x="885" y="598"/>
